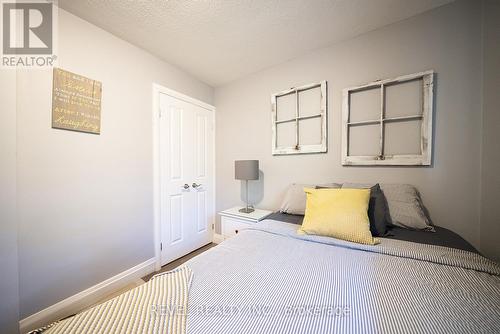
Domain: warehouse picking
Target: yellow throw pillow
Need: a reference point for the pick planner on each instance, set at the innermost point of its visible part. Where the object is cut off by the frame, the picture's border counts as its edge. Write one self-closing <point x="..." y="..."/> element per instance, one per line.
<point x="338" y="213"/>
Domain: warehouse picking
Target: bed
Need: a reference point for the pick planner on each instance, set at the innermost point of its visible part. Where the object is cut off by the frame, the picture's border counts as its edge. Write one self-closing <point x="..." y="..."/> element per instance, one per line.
<point x="269" y="279"/>
<point x="311" y="284"/>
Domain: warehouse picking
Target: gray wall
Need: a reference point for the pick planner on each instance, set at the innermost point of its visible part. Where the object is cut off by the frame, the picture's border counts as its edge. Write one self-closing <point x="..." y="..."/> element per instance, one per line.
<point x="9" y="288"/>
<point x="490" y="199"/>
<point x="447" y="39"/>
<point x="85" y="202"/>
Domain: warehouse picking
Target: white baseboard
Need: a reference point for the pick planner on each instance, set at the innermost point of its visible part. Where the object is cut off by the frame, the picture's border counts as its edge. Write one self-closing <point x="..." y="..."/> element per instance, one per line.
<point x="86" y="298"/>
<point x="218" y="238"/>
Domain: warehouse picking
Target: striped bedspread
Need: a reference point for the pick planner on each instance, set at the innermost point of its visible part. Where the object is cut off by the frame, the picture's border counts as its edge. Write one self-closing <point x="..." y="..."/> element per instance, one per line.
<point x="158" y="306"/>
<point x="268" y="279"/>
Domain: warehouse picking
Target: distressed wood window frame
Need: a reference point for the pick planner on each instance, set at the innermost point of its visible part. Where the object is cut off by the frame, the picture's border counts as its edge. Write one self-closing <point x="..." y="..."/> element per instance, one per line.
<point x="423" y="159"/>
<point x="298" y="148"/>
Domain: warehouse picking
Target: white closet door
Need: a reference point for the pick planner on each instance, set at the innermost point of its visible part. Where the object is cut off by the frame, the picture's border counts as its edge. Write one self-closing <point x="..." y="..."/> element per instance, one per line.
<point x="186" y="177"/>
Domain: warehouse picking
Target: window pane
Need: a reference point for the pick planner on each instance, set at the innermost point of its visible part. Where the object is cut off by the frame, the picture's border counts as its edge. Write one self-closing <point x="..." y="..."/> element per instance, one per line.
<point x="403" y="137"/>
<point x="403" y="99"/>
<point x="285" y="134"/>
<point x="364" y="140"/>
<point x="285" y="106"/>
<point x="310" y="102"/>
<point x="310" y="131"/>
<point x="365" y="105"/>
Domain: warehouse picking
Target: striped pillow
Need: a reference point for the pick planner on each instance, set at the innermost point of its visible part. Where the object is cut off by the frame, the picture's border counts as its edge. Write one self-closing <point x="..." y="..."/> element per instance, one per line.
<point x="338" y="213"/>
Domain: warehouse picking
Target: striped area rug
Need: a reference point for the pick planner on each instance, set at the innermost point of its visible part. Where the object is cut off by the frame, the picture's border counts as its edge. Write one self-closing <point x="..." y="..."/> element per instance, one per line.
<point x="158" y="306"/>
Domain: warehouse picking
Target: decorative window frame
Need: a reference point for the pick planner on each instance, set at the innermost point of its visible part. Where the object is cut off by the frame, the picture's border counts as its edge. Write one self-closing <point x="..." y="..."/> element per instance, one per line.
<point x="426" y="115"/>
<point x="323" y="114"/>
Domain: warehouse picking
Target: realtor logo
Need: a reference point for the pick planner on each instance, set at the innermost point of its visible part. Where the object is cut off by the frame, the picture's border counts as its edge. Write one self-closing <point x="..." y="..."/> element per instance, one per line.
<point x="28" y="33"/>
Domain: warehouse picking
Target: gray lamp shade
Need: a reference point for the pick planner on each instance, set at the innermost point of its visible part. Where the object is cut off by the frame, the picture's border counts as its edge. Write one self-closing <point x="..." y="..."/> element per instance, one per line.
<point x="246" y="169"/>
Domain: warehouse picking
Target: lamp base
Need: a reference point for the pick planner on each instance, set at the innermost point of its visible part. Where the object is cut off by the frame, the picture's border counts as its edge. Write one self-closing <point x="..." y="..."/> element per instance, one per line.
<point x="246" y="210"/>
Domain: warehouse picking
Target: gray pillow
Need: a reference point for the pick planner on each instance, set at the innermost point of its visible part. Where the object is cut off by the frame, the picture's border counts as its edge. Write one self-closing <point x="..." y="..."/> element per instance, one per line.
<point x="377" y="210"/>
<point x="404" y="204"/>
<point x="405" y="207"/>
<point x="295" y="199"/>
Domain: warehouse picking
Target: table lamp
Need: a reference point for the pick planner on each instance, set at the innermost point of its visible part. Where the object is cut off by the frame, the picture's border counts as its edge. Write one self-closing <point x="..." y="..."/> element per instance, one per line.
<point x="246" y="170"/>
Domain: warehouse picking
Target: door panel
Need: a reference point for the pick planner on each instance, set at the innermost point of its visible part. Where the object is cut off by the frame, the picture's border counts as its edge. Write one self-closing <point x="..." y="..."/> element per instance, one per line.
<point x="201" y="143"/>
<point x="176" y="216"/>
<point x="186" y="176"/>
<point x="176" y="142"/>
<point x="205" y="152"/>
<point x="201" y="210"/>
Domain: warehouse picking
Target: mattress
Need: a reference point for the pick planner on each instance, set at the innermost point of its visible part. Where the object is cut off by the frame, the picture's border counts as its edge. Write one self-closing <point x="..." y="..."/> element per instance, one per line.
<point x="441" y="237"/>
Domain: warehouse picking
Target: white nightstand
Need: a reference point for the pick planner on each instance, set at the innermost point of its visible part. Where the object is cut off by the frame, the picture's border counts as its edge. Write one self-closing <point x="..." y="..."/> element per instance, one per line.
<point x="232" y="220"/>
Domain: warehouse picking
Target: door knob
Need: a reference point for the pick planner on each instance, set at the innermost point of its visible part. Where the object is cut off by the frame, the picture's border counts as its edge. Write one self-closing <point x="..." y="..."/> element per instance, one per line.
<point x="185" y="186"/>
<point x="195" y="185"/>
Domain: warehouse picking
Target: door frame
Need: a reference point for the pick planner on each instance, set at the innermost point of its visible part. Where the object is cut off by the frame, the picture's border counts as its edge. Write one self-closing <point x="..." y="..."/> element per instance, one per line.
<point x="157" y="90"/>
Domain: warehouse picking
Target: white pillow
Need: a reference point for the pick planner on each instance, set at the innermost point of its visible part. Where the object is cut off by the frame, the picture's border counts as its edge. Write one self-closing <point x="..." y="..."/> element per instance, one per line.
<point x="295" y="199"/>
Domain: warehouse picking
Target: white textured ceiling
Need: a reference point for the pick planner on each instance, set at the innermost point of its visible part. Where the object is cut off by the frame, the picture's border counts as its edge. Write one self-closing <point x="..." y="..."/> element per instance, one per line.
<point x="219" y="41"/>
